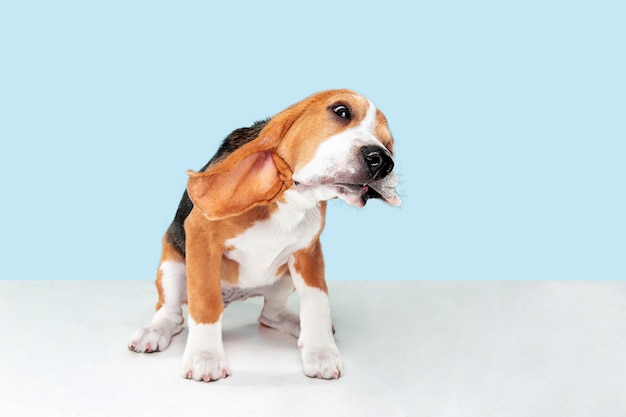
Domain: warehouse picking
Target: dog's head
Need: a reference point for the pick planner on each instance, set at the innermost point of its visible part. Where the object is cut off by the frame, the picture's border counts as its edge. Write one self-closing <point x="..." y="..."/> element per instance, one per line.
<point x="332" y="144"/>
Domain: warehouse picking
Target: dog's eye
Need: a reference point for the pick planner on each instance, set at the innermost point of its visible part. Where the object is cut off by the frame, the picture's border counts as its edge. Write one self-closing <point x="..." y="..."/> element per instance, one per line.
<point x="342" y="111"/>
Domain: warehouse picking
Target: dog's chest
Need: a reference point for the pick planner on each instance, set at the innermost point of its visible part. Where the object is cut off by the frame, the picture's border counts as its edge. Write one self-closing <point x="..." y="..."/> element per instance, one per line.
<point x="263" y="249"/>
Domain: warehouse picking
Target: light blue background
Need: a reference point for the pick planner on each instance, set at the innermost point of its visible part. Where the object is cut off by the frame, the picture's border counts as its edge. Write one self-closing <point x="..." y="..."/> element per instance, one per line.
<point x="509" y="119"/>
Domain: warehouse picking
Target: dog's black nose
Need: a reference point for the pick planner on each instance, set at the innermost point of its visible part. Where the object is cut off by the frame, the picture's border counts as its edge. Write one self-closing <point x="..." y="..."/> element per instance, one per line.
<point x="377" y="160"/>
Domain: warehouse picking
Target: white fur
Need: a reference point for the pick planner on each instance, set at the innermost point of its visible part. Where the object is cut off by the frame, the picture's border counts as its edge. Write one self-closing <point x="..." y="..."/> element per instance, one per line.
<point x="320" y="355"/>
<point x="369" y="121"/>
<point x="276" y="311"/>
<point x="168" y="320"/>
<point x="204" y="358"/>
<point x="268" y="244"/>
<point x="174" y="282"/>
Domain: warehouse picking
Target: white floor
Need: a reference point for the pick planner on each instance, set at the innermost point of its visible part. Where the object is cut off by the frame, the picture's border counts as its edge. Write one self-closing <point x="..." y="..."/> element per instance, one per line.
<point x="426" y="348"/>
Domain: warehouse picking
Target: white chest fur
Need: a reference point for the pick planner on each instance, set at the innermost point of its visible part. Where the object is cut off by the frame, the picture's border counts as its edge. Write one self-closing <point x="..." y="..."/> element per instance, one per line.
<point x="266" y="246"/>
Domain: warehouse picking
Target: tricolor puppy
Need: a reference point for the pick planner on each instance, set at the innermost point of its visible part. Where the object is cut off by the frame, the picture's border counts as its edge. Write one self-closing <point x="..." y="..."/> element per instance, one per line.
<point x="249" y="225"/>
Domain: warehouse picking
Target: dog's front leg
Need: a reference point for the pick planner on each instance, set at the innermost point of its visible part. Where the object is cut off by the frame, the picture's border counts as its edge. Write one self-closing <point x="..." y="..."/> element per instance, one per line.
<point x="320" y="356"/>
<point x="204" y="358"/>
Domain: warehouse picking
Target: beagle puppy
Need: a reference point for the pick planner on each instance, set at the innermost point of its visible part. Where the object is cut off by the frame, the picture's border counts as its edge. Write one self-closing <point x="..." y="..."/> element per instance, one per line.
<point x="249" y="224"/>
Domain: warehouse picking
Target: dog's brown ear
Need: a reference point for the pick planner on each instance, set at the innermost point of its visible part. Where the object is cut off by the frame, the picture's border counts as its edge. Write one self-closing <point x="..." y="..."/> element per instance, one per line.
<point x="250" y="176"/>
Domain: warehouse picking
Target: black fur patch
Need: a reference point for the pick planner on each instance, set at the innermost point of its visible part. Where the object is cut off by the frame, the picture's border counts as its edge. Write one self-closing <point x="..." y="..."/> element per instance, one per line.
<point x="236" y="140"/>
<point x="175" y="234"/>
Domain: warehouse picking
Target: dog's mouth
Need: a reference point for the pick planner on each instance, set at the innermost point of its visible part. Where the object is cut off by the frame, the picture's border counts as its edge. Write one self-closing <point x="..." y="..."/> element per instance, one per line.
<point x="358" y="194"/>
<point x="355" y="193"/>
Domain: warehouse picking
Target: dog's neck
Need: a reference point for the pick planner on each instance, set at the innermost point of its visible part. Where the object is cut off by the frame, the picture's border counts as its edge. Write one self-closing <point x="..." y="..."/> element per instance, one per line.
<point x="302" y="199"/>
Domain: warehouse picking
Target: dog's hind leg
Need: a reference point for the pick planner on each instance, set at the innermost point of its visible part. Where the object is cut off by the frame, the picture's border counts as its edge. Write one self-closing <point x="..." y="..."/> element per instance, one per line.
<point x="276" y="312"/>
<point x="168" y="320"/>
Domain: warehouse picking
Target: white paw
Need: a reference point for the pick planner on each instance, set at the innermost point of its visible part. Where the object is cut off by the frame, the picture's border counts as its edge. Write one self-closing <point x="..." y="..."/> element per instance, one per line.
<point x="158" y="334"/>
<point x="323" y="362"/>
<point x="152" y="338"/>
<point x="205" y="366"/>
<point x="286" y="321"/>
